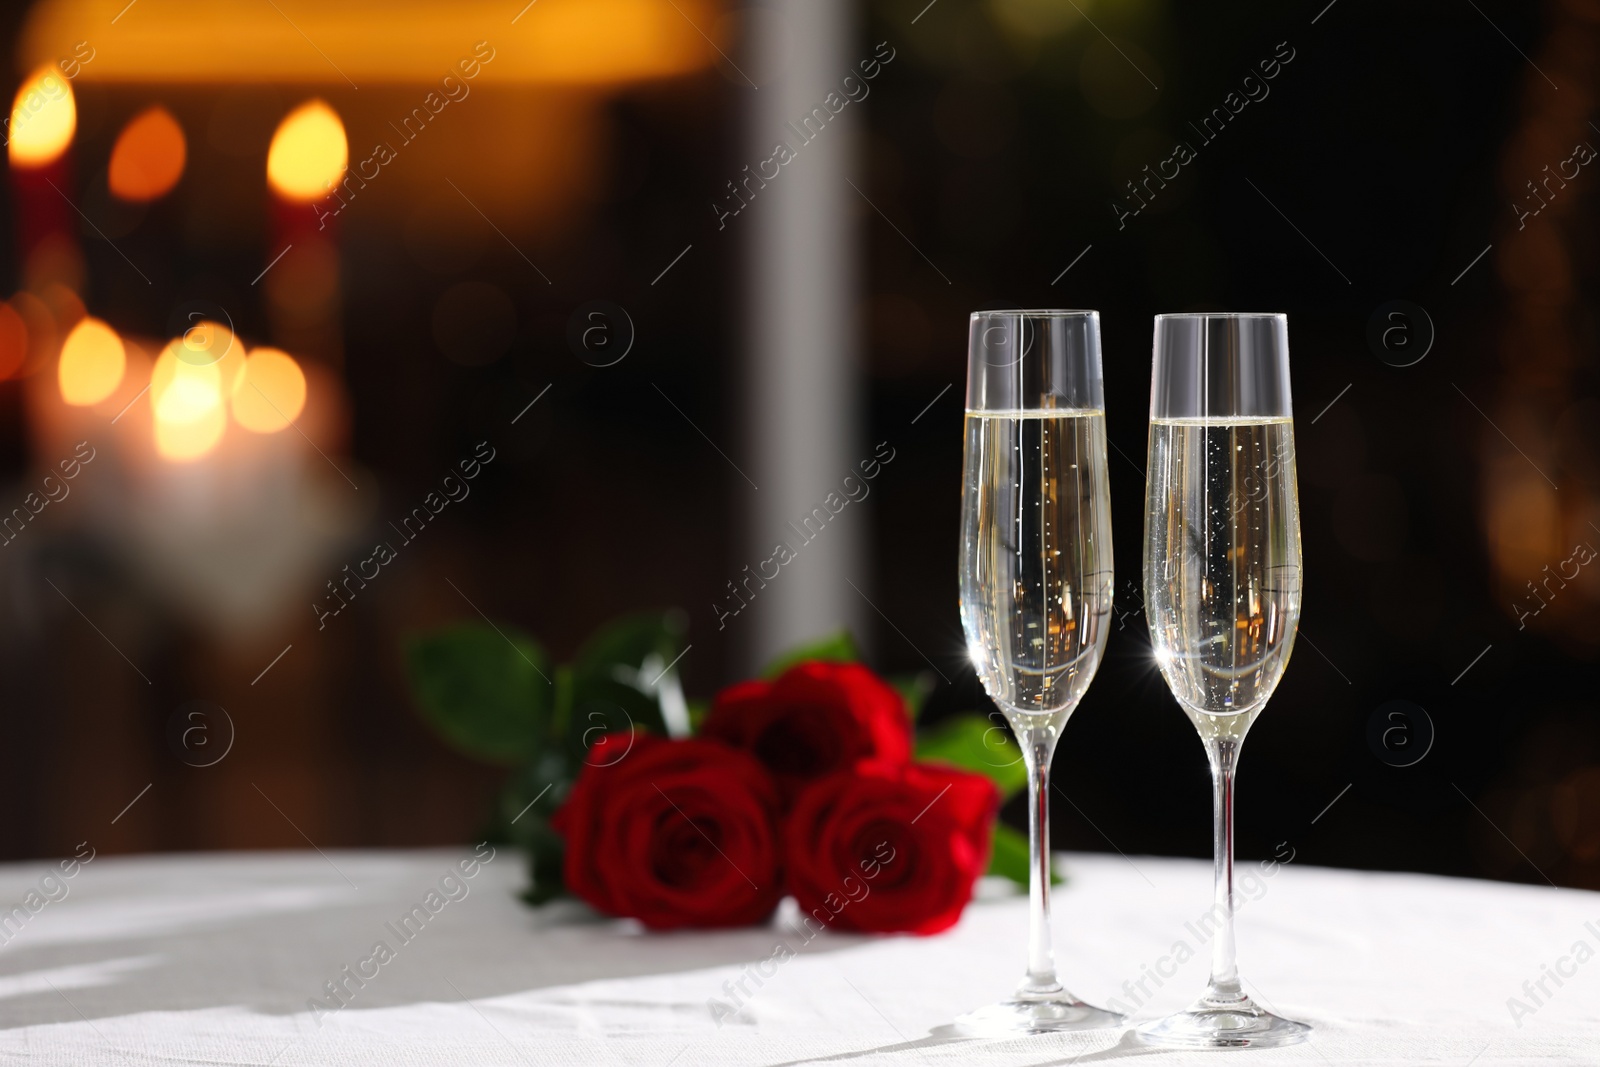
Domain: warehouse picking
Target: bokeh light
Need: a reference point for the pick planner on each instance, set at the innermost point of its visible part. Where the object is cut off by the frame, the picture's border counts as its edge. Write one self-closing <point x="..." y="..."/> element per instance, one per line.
<point x="1033" y="19"/>
<point x="184" y="442"/>
<point x="193" y="42"/>
<point x="269" y="392"/>
<point x="44" y="116"/>
<point x="181" y="391"/>
<point x="148" y="158"/>
<point x="186" y="398"/>
<point x="206" y="342"/>
<point x="309" y="152"/>
<point x="92" y="363"/>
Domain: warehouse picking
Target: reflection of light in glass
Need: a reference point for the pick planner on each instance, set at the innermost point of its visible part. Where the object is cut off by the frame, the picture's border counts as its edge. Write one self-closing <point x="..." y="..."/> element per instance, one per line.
<point x="187" y="400"/>
<point x="308" y="152"/>
<point x="92" y="363"/>
<point x="148" y="158"/>
<point x="269" y="392"/>
<point x="43" y="118"/>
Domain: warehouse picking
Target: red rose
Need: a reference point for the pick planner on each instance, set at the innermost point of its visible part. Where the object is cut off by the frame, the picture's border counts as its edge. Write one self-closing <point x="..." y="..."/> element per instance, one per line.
<point x="815" y="719"/>
<point x="677" y="833"/>
<point x="888" y="848"/>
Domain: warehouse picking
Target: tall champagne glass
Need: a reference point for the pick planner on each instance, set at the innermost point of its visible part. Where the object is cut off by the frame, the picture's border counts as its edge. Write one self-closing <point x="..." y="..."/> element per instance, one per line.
<point x="1222" y="589"/>
<point x="1036" y="583"/>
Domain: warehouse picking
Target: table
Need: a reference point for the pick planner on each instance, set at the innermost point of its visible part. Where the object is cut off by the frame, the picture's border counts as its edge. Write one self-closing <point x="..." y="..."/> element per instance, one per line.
<point x="213" y="959"/>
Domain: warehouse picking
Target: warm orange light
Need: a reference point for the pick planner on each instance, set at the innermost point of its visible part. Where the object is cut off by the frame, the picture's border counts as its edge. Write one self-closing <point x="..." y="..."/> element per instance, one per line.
<point x="551" y="42"/>
<point x="43" y="118"/>
<point x="148" y="158"/>
<point x="309" y="152"/>
<point x="208" y="343"/>
<point x="182" y="392"/>
<point x="269" y="392"/>
<point x="184" y="442"/>
<point x="186" y="397"/>
<point x="92" y="363"/>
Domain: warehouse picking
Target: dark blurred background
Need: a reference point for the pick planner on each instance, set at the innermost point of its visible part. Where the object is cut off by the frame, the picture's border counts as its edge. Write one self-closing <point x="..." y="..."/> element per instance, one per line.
<point x="1448" y="450"/>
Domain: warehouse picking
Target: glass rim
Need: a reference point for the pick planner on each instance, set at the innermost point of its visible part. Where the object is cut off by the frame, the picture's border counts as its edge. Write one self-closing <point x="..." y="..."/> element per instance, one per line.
<point x="1222" y="315"/>
<point x="1036" y="313"/>
<point x="1233" y="364"/>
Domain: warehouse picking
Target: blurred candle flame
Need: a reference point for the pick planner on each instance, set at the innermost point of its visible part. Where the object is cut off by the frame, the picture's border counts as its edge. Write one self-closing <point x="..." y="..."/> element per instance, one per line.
<point x="149" y="156"/>
<point x="92" y="364"/>
<point x="309" y="152"/>
<point x="44" y="117"/>
<point x="184" y="442"/>
<point x="269" y="392"/>
<point x="186" y="387"/>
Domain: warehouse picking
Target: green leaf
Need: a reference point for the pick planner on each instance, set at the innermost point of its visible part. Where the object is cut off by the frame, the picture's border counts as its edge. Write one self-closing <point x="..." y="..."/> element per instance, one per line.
<point x="976" y="744"/>
<point x="914" y="689"/>
<point x="601" y="707"/>
<point x="698" y="710"/>
<point x="485" y="692"/>
<point x="629" y="640"/>
<point x="546" y="855"/>
<point x="837" y="647"/>
<point x="532" y="794"/>
<point x="621" y="680"/>
<point x="561" y="705"/>
<point x="1009" y="858"/>
<point x="531" y="797"/>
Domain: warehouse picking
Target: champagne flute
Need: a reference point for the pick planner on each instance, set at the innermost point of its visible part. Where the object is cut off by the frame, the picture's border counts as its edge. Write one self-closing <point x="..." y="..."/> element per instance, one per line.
<point x="1036" y="582"/>
<point x="1222" y="589"/>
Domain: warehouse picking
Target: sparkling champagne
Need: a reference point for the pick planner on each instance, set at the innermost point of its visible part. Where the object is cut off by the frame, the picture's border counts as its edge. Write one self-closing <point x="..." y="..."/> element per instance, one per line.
<point x="1222" y="592"/>
<point x="1036" y="581"/>
<point x="1222" y="563"/>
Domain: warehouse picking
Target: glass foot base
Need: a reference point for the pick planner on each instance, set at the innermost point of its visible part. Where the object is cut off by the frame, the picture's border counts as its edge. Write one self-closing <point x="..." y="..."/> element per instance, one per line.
<point x="1036" y="1013"/>
<point x="1219" y="1023"/>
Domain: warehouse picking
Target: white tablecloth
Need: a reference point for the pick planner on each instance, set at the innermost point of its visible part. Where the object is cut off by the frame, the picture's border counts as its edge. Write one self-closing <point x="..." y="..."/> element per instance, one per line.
<point x="213" y="960"/>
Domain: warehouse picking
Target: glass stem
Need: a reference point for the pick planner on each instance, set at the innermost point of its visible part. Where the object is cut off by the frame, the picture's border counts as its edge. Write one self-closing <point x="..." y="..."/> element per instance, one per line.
<point x="1223" y="753"/>
<point x="1038" y="746"/>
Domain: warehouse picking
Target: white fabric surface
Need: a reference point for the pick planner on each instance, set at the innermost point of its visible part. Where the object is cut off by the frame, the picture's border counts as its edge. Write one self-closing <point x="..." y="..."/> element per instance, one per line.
<point x="212" y="960"/>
